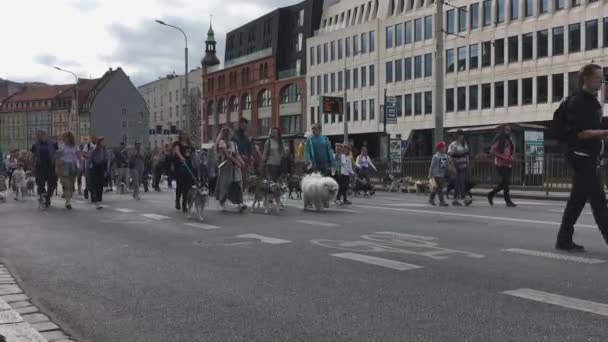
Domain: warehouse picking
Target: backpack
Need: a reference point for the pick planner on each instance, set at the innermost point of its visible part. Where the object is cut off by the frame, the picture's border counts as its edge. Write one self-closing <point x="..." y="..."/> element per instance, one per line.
<point x="560" y="126"/>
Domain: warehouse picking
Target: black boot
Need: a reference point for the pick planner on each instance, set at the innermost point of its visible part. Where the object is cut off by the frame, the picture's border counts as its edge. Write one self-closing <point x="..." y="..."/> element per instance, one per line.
<point x="184" y="205"/>
<point x="177" y="206"/>
<point x="491" y="195"/>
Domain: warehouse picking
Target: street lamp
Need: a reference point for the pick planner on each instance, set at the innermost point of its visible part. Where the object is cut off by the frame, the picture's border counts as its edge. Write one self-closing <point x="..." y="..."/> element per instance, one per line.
<point x="77" y="111"/>
<point x="186" y="92"/>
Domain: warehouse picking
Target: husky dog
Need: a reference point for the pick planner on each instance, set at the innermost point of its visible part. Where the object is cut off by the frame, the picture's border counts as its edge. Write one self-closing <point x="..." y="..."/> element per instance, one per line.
<point x="19" y="184"/>
<point x="267" y="192"/>
<point x="318" y="191"/>
<point x="30" y="183"/>
<point x="405" y="184"/>
<point x="422" y="187"/>
<point x="197" y="197"/>
<point x="294" y="184"/>
<point x="253" y="183"/>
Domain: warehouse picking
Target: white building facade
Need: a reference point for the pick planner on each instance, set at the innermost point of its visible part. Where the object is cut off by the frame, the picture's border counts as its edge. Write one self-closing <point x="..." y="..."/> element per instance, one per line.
<point x="506" y="61"/>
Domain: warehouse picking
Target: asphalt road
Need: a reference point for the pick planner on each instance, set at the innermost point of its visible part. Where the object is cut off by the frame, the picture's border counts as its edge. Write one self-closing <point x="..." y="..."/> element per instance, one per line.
<point x="387" y="268"/>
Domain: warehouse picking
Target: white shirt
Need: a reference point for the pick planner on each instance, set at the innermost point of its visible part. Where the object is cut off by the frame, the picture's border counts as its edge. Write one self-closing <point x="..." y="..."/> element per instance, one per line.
<point x="346" y="166"/>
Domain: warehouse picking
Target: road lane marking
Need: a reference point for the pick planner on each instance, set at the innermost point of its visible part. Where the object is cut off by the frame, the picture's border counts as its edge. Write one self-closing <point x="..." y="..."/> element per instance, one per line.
<point x="156" y="217"/>
<point x="409" y="236"/>
<point x="397" y="265"/>
<point x="317" y="223"/>
<point x="344" y="210"/>
<point x="124" y="210"/>
<point x="555" y="256"/>
<point x="264" y="239"/>
<point x="495" y="218"/>
<point x="201" y="225"/>
<point x="561" y="211"/>
<point x="563" y="301"/>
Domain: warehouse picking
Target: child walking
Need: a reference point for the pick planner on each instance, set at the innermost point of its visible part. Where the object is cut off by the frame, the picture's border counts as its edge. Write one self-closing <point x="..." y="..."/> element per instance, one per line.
<point x="438" y="172"/>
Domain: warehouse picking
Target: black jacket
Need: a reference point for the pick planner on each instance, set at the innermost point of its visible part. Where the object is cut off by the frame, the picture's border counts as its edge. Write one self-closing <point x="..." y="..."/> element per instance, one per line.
<point x="584" y="113"/>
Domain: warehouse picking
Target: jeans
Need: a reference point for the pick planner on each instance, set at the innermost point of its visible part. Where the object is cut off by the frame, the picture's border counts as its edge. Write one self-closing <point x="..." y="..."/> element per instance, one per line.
<point x="136" y="176"/>
<point x="46" y="181"/>
<point x="343" y="182"/>
<point x="460" y="178"/>
<point x="504" y="174"/>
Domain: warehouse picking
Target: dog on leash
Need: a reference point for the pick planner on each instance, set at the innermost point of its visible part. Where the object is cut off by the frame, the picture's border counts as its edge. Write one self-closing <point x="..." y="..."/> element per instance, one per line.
<point x="269" y="193"/>
<point x="318" y="191"/>
<point x="405" y="184"/>
<point x="197" y="198"/>
<point x="30" y="183"/>
<point x="294" y="184"/>
<point x="19" y="184"/>
<point x="422" y="187"/>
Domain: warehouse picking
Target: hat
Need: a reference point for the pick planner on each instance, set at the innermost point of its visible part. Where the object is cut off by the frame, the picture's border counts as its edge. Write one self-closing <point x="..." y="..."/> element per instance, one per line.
<point x="440" y="145"/>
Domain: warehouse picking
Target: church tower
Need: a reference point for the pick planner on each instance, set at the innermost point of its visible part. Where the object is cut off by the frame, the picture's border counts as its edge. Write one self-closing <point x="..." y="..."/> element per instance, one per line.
<point x="210" y="58"/>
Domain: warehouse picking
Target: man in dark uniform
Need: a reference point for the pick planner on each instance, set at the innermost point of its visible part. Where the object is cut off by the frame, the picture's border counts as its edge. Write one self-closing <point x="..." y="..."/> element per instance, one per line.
<point x="44" y="167"/>
<point x="585" y="135"/>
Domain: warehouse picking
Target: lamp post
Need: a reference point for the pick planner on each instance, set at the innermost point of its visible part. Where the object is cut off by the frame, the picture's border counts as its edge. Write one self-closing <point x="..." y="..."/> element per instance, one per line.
<point x="77" y="110"/>
<point x="186" y="93"/>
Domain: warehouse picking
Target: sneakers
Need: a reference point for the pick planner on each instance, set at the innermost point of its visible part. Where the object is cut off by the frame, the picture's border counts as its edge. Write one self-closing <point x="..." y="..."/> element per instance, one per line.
<point x="432" y="202"/>
<point x="347" y="202"/>
<point x="242" y="208"/>
<point x="177" y="206"/>
<point x="443" y="204"/>
<point x="569" y="247"/>
<point x="456" y="203"/>
<point x="491" y="198"/>
<point x="468" y="201"/>
<point x="511" y="205"/>
<point x="68" y="206"/>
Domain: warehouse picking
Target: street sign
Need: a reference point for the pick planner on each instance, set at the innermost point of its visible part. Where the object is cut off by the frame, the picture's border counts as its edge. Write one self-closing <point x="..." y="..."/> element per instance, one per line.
<point x="391" y="100"/>
<point x="391" y="115"/>
<point x="333" y="105"/>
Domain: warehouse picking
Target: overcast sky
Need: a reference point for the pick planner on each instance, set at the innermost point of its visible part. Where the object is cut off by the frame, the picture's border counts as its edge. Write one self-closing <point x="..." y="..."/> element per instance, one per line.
<point x="90" y="36"/>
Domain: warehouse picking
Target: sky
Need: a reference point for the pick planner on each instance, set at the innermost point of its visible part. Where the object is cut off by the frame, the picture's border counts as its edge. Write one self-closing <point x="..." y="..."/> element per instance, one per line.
<point x="88" y="37"/>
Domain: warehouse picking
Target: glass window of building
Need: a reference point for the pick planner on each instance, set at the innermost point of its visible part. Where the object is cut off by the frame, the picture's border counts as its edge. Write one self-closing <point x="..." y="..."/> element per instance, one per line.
<point x="389" y="72"/>
<point x="428" y="102"/>
<point x="407" y="66"/>
<point x="449" y="100"/>
<point x="605" y="32"/>
<point x="332" y="82"/>
<point x="428" y="27"/>
<point x="372" y="41"/>
<point x="528" y="8"/>
<point x="398" y="71"/>
<point x="591" y="35"/>
<point x="543" y="6"/>
<point x="474" y="15"/>
<point x="486" y="95"/>
<point x="513" y="93"/>
<point x="428" y="65"/>
<point x="572" y="81"/>
<point x="372" y="109"/>
<point x="574" y="38"/>
<point x="487" y="13"/>
<point x="347" y="79"/>
<point x="450" y="21"/>
<point x="473" y="56"/>
<point x="363" y="110"/>
<point x="462" y="19"/>
<point x="339" y="48"/>
<point x="526" y="91"/>
<point x="499" y="51"/>
<point x="527" y="42"/>
<point x="473" y="97"/>
<point x="418" y="67"/>
<point x="462" y="58"/>
<point x="325" y="84"/>
<point x="372" y="75"/>
<point x="325" y="53"/>
<point x="513" y="49"/>
<point x="355" y="45"/>
<point x="542" y="89"/>
<point x="418" y="29"/>
<point x="557" y="85"/>
<point x="399" y="105"/>
<point x="514" y="9"/>
<point x="542" y="43"/>
<point x="340" y="80"/>
<point x="500" y="11"/>
<point x="418" y="104"/>
<point x="449" y="60"/>
<point x="319" y="89"/>
<point x="363" y="76"/>
<point x="389" y="37"/>
<point x="364" y="42"/>
<point x="398" y="34"/>
<point x="332" y="50"/>
<point x="355" y="78"/>
<point x="312" y="55"/>
<point x="486" y="54"/>
<point x="560" y="4"/>
<point x="461" y="98"/>
<point x="408" y="32"/>
<point x="558" y="41"/>
<point x="407" y="105"/>
<point x="355" y="110"/>
<point x="499" y="94"/>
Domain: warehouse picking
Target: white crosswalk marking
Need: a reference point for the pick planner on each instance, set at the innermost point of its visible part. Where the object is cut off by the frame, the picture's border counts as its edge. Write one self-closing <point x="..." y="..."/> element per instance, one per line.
<point x="264" y="239"/>
<point x="124" y="210"/>
<point x="563" y="301"/>
<point x="201" y="225"/>
<point x="156" y="217"/>
<point x="409" y="236"/>
<point x="397" y="265"/>
<point x="554" y="256"/>
<point x="317" y="223"/>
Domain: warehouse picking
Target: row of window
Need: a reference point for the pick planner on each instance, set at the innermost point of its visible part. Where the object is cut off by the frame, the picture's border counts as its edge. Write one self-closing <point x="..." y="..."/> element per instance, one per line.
<point x="342" y="48"/>
<point x="360" y="110"/>
<point x="408" y="32"/>
<point x="456" y="59"/>
<point x="365" y="12"/>
<point x="342" y="79"/>
<point x="401" y="69"/>
<point x="413" y="104"/>
<point x="290" y="94"/>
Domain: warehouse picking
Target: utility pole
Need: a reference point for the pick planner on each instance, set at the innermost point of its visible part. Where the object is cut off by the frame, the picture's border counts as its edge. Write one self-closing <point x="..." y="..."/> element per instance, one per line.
<point x="438" y="72"/>
<point x="344" y="105"/>
<point x="388" y="136"/>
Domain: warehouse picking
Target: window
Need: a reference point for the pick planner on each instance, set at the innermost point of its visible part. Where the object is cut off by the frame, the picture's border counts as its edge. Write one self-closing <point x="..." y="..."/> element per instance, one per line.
<point x="363" y="110"/>
<point x="428" y="102"/>
<point x="513" y="95"/>
<point x="487" y="12"/>
<point x="372" y="41"/>
<point x="372" y="109"/>
<point x="526" y="91"/>
<point x="325" y="84"/>
<point x="500" y="11"/>
<point x="347" y="80"/>
<point x="407" y="65"/>
<point x="319" y="89"/>
<point x="560" y="4"/>
<point x="542" y="89"/>
<point x="332" y="82"/>
<point x="486" y="95"/>
<point x="347" y="111"/>
<point x="355" y="110"/>
<point x="558" y="41"/>
<point x="499" y="51"/>
<point x="339" y="48"/>
<point x="389" y="37"/>
<point x="528" y="8"/>
<point x="355" y="45"/>
<point x="462" y="58"/>
<point x="450" y="21"/>
<point x="513" y="49"/>
<point x="576" y="3"/>
<point x="462" y="19"/>
<point x="418" y="29"/>
<point x="372" y="75"/>
<point x="591" y="35"/>
<point x="574" y="38"/>
<point x="325" y="53"/>
<point x="449" y="60"/>
<point x="474" y="16"/>
<point x="499" y="94"/>
<point x="572" y="81"/>
<point x="514" y="10"/>
<point x="418" y="67"/>
<point x="543" y="6"/>
<point x="389" y="72"/>
<point x="398" y="34"/>
<point x="355" y="78"/>
<point x="332" y="50"/>
<point x="246" y="102"/>
<point x="408" y="32"/>
<point x="557" y="84"/>
<point x="417" y="103"/>
<point x="347" y="46"/>
<point x="527" y="42"/>
<point x="428" y="65"/>
<point x="605" y="43"/>
<point x="363" y="76"/>
<point x="449" y="100"/>
<point x="399" y="105"/>
<point x="363" y="42"/>
<point x="407" y="105"/>
<point x="340" y="82"/>
<point x="398" y="71"/>
<point x="473" y="56"/>
<point x="486" y="54"/>
<point x="428" y="27"/>
<point x="542" y="43"/>
<point x="461" y="98"/>
<point x="473" y="97"/>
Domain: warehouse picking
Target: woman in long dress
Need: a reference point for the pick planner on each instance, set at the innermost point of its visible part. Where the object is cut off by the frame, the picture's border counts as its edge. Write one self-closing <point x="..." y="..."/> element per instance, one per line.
<point x="229" y="178"/>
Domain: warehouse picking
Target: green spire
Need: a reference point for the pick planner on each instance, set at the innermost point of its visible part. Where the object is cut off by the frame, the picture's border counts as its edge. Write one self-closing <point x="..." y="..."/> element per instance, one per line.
<point x="210" y="33"/>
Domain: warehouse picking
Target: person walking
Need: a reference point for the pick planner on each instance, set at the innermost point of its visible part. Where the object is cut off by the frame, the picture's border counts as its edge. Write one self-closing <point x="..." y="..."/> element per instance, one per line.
<point x="145" y="178"/>
<point x="229" y="179"/>
<point x="68" y="165"/>
<point x="43" y="152"/>
<point x="318" y="152"/>
<point x="502" y="149"/>
<point x="271" y="157"/>
<point x="99" y="167"/>
<point x="122" y="166"/>
<point x="183" y="152"/>
<point x="157" y="168"/>
<point x="344" y="170"/>
<point x="169" y="165"/>
<point x="211" y="166"/>
<point x="286" y="163"/>
<point x="438" y="172"/>
<point x="86" y="152"/>
<point x="583" y="132"/>
<point x="3" y="174"/>
<point x="364" y="164"/>
<point x="136" y="167"/>
<point x="459" y="153"/>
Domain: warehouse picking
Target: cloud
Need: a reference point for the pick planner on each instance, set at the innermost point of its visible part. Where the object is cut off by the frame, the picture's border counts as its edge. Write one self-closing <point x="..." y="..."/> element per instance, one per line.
<point x="50" y="60"/>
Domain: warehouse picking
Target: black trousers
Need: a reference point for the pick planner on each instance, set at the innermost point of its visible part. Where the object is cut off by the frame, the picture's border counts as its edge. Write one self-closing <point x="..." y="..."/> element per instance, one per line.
<point x="586" y="186"/>
<point x="156" y="180"/>
<point x="97" y="177"/>
<point x="46" y="182"/>
<point x="343" y="182"/>
<point x="184" y="182"/>
<point x="504" y="182"/>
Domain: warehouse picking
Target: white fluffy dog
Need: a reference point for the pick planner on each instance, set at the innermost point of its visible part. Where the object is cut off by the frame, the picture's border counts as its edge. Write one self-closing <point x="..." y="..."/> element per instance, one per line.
<point x="318" y="191"/>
